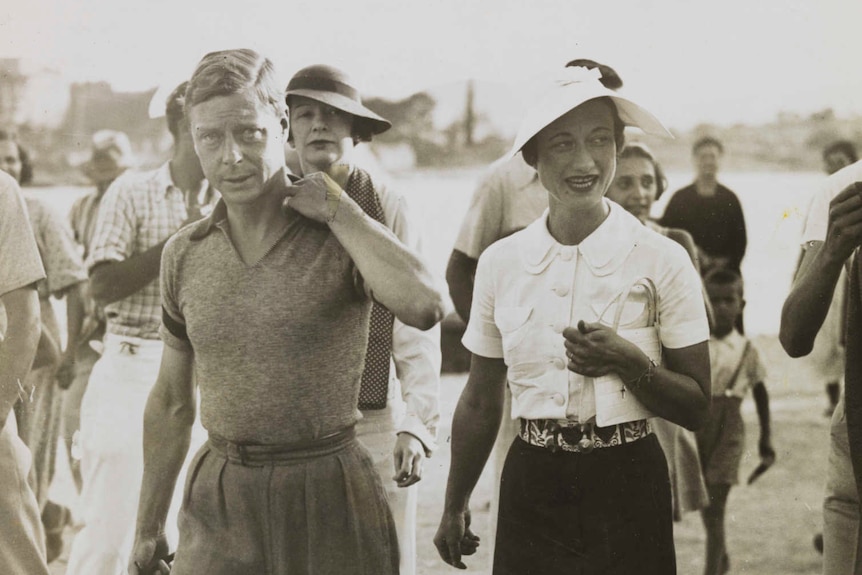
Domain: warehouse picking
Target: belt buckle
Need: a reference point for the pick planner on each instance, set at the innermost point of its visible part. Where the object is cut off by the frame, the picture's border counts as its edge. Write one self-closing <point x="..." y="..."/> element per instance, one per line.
<point x="553" y="443"/>
<point x="587" y="442"/>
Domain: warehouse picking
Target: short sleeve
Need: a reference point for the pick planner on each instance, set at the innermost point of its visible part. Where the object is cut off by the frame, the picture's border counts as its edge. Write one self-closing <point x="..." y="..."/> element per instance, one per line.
<point x="20" y="264"/>
<point x="173" y="328"/>
<point x="483" y="222"/>
<point x="682" y="313"/>
<point x="482" y="336"/>
<point x="114" y="236"/>
<point x="817" y="219"/>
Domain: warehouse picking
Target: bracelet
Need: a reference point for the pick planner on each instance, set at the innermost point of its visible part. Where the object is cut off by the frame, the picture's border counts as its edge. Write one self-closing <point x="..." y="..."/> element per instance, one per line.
<point x="643" y="378"/>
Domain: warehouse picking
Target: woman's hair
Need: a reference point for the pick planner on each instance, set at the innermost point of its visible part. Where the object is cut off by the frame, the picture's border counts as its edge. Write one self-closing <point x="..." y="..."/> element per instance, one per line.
<point x="638" y="150"/>
<point x="362" y="129"/>
<point x="845" y="147"/>
<point x="229" y="72"/>
<point x="530" y="150"/>
<point x="23" y="155"/>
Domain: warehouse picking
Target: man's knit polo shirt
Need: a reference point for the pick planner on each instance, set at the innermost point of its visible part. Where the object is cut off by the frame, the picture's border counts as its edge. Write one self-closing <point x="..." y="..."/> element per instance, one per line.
<point x="278" y="345"/>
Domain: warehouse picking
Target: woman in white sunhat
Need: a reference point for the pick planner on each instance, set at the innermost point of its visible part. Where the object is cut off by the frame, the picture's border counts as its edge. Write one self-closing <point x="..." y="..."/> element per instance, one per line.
<point x="597" y="323"/>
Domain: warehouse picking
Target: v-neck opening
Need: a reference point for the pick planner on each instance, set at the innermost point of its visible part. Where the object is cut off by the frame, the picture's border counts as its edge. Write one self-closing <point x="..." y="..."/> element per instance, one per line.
<point x="224" y="227"/>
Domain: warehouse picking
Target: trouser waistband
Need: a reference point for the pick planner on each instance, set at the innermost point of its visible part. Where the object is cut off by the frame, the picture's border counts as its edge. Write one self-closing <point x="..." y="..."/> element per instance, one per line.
<point x="262" y="454"/>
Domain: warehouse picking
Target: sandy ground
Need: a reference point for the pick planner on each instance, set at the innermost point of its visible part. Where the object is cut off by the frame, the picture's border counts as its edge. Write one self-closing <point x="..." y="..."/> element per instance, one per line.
<point x="770" y="523"/>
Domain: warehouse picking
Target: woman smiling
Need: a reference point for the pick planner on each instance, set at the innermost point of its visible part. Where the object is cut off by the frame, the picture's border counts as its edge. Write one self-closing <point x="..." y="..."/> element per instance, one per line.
<point x="585" y="486"/>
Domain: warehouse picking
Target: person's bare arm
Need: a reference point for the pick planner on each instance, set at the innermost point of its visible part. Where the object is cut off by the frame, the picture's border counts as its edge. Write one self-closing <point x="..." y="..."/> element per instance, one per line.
<point x="17" y="349"/>
<point x="474" y="430"/>
<point x="679" y="390"/>
<point x="394" y="274"/>
<point x="76" y="312"/>
<point x="459" y="275"/>
<point x="112" y="281"/>
<point x="808" y="303"/>
<point x="168" y="419"/>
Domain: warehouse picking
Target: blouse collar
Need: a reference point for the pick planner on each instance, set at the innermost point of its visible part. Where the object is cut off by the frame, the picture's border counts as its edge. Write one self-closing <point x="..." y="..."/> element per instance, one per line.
<point x="604" y="250"/>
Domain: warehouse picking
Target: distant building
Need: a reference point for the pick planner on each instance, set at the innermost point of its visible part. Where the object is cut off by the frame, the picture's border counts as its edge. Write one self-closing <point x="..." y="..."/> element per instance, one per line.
<point x="12" y="83"/>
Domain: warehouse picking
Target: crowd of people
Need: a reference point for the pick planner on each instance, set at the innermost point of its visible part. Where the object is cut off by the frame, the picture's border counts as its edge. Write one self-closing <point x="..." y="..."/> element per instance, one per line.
<point x="250" y="376"/>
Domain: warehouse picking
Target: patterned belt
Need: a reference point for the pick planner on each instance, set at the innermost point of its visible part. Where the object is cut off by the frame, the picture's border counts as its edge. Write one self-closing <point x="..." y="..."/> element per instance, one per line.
<point x="562" y="435"/>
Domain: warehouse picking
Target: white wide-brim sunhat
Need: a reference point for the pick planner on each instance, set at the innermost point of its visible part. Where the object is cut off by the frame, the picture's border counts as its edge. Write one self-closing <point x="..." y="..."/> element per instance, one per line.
<point x="573" y="87"/>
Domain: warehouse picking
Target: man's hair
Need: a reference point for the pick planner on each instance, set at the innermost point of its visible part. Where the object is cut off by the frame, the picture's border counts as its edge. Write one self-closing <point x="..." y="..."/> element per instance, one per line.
<point x="638" y="150"/>
<point x="610" y="79"/>
<point x="845" y="147"/>
<point x="175" y="109"/>
<point x="724" y="277"/>
<point x="530" y="150"/>
<point x="707" y="141"/>
<point x="229" y="72"/>
<point x="23" y="155"/>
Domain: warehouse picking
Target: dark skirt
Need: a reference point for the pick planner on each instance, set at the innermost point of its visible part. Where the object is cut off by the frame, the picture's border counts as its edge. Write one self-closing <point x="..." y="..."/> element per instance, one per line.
<point x="607" y="512"/>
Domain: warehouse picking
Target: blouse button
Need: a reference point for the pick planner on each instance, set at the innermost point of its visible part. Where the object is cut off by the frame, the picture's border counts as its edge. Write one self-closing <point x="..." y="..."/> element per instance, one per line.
<point x="566" y="253"/>
<point x="559" y="363"/>
<point x="558" y="399"/>
<point x="561" y="291"/>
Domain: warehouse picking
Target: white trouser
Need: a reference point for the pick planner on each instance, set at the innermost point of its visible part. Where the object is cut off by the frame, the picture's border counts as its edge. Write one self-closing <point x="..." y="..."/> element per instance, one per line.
<point x="376" y="431"/>
<point x="112" y="460"/>
<point x="22" y="539"/>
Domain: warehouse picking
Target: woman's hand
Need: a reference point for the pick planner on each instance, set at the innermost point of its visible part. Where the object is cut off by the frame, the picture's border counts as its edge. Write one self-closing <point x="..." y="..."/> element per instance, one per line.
<point x="454" y="538"/>
<point x="595" y="350"/>
<point x="316" y="196"/>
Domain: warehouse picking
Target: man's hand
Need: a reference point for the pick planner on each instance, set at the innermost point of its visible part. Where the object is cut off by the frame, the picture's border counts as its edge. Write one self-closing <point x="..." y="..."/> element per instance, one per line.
<point x="594" y="350"/>
<point x="409" y="454"/>
<point x="455" y="539"/>
<point x="316" y="196"/>
<point x="844" y="233"/>
<point x="150" y="556"/>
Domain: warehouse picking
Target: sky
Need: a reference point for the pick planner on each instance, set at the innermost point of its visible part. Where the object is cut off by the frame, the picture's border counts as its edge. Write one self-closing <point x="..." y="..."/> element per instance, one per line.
<point x="688" y="61"/>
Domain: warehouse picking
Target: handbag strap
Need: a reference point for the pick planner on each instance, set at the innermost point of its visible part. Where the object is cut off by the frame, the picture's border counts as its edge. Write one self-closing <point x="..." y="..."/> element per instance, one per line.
<point x="623" y="295"/>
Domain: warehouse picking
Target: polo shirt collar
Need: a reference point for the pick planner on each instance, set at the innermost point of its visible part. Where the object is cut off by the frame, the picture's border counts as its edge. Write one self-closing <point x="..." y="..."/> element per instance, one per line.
<point x="604" y="250"/>
<point x="209" y="223"/>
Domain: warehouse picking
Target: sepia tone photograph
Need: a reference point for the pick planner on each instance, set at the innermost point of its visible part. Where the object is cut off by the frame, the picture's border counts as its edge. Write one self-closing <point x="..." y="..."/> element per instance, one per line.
<point x="409" y="288"/>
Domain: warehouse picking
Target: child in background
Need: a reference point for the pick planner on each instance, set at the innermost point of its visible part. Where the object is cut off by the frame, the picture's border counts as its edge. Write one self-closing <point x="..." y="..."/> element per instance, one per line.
<point x="736" y="367"/>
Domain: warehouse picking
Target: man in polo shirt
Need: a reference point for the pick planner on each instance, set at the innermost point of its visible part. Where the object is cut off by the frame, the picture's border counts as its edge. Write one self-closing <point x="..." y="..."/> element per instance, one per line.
<point x="23" y="540"/>
<point x="138" y="213"/>
<point x="269" y="310"/>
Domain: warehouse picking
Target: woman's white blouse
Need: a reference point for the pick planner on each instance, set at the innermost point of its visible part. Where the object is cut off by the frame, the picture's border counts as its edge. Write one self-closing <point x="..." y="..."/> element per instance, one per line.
<point x="529" y="287"/>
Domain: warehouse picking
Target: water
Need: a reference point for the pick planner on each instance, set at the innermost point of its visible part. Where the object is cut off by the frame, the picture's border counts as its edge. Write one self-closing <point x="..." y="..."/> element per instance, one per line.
<point x="774" y="204"/>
